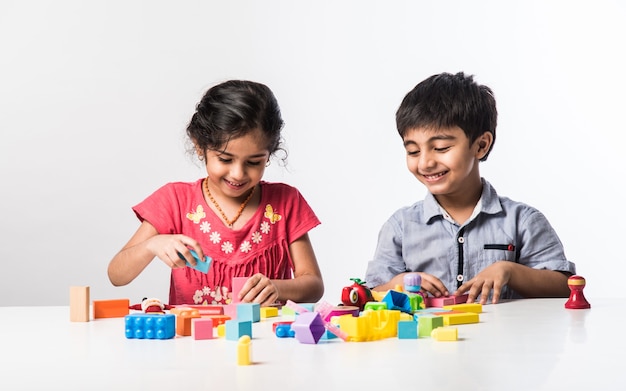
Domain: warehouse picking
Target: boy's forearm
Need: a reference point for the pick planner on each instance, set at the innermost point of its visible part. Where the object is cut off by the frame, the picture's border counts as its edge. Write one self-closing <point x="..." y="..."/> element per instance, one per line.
<point x="535" y="283"/>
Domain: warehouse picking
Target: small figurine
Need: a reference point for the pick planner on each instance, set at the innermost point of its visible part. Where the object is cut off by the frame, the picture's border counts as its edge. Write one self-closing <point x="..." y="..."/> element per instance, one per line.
<point x="576" y="299"/>
<point x="356" y="294"/>
<point x="151" y="306"/>
<point x="413" y="285"/>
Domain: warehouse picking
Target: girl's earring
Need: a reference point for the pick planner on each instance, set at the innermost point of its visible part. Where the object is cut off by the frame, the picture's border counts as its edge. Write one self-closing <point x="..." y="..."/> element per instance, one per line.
<point x="268" y="163"/>
<point x="200" y="157"/>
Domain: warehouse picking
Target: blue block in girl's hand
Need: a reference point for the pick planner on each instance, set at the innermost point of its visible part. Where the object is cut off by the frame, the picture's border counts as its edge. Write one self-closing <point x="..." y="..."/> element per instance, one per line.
<point x="201" y="265"/>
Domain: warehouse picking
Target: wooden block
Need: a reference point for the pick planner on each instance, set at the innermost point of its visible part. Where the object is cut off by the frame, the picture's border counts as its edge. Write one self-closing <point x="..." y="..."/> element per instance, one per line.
<point x="79" y="304"/>
<point x="117" y="308"/>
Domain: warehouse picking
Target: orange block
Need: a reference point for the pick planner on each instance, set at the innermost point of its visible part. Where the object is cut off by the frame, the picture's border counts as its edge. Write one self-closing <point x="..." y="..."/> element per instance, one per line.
<point x="183" y="322"/>
<point x="110" y="308"/>
<point x="219" y="319"/>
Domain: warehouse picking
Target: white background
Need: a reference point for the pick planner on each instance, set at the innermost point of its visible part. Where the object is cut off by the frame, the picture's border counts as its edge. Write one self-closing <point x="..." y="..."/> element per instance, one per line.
<point x="95" y="97"/>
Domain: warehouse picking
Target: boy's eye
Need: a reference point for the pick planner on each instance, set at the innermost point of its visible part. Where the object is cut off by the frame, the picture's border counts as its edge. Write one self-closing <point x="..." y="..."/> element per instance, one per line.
<point x="412" y="153"/>
<point x="442" y="149"/>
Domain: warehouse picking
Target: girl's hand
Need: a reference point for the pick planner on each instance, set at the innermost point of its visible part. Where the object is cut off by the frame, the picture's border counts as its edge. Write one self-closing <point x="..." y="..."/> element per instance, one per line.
<point x="493" y="277"/>
<point x="259" y="289"/>
<point x="170" y="248"/>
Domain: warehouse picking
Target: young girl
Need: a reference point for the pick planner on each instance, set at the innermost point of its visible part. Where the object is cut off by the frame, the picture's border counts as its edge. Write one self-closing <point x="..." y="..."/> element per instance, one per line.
<point x="249" y="227"/>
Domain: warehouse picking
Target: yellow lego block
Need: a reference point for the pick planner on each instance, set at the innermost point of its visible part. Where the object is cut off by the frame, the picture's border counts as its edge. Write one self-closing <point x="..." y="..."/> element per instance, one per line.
<point x="445" y="334"/>
<point x="476" y="308"/>
<point x="269" y="312"/>
<point x="454" y="318"/>
<point x="244" y="347"/>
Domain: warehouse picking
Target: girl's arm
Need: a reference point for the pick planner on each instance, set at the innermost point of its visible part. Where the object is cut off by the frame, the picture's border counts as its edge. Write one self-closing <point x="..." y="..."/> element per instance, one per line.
<point x="307" y="285"/>
<point x="143" y="247"/>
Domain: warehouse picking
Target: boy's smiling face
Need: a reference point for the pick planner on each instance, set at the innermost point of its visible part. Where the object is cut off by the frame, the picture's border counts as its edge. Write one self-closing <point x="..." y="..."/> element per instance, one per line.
<point x="444" y="161"/>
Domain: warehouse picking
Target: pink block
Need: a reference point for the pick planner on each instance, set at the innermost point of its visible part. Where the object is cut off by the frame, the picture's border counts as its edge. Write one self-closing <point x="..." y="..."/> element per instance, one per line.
<point x="230" y="310"/>
<point x="202" y="328"/>
<point x="445" y="300"/>
<point x="238" y="283"/>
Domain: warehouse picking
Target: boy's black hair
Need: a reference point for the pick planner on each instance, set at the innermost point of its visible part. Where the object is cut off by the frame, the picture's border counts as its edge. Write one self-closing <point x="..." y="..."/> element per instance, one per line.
<point x="446" y="100"/>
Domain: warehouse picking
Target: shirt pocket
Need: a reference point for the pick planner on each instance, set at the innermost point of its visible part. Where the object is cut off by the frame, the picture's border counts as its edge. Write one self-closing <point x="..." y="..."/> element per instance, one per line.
<point x="493" y="252"/>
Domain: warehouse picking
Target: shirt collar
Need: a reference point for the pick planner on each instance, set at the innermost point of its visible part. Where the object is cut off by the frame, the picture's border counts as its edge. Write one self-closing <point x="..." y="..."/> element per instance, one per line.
<point x="488" y="203"/>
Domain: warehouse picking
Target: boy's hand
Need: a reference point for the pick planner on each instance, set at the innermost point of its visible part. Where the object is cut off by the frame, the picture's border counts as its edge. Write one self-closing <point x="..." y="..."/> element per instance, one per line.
<point x="491" y="278"/>
<point x="433" y="285"/>
<point x="259" y="289"/>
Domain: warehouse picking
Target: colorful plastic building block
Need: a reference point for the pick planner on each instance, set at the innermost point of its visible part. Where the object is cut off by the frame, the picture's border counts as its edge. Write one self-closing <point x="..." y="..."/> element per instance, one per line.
<point x="203" y="310"/>
<point x="79" y="304"/>
<point x="249" y="311"/>
<point x="201" y="265"/>
<point x="284" y="331"/>
<point x="268" y="312"/>
<point x="445" y="300"/>
<point x="202" y="328"/>
<point x="236" y="329"/>
<point x="375" y="306"/>
<point x="398" y="301"/>
<point x="150" y="326"/>
<point x="445" y="334"/>
<point x="451" y="318"/>
<point x="339" y="311"/>
<point x="308" y="327"/>
<point x="407" y="329"/>
<point x="110" y="308"/>
<point x="244" y="350"/>
<point x="237" y="284"/>
<point x="427" y="323"/>
<point x="183" y="322"/>
<point x="476" y="308"/>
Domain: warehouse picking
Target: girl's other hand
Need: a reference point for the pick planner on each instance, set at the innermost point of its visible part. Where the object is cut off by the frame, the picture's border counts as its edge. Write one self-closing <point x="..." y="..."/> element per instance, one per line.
<point x="259" y="289"/>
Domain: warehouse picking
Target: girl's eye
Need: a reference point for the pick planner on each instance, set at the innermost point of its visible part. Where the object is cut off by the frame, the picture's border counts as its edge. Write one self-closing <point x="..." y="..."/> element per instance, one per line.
<point x="223" y="160"/>
<point x="254" y="163"/>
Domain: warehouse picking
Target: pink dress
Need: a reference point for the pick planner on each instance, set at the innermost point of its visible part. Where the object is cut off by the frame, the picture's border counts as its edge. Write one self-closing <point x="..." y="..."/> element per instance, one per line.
<point x="260" y="246"/>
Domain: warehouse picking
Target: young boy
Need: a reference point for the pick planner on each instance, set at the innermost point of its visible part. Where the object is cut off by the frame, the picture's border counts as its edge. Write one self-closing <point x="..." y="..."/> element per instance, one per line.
<point x="463" y="237"/>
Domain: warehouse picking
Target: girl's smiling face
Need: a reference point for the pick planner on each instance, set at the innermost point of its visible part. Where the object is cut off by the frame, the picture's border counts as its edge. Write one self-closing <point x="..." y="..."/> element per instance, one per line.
<point x="238" y="166"/>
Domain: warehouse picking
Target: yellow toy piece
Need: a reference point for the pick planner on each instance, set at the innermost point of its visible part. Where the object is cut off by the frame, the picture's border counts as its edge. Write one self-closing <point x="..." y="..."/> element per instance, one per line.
<point x="244" y="347"/>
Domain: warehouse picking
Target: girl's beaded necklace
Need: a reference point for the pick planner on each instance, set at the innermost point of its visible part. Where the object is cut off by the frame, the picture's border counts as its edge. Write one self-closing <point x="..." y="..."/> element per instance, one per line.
<point x="229" y="223"/>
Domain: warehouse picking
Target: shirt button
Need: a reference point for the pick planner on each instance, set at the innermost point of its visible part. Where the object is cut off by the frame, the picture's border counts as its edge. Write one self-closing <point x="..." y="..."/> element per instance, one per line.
<point x="461" y="239"/>
<point x="459" y="277"/>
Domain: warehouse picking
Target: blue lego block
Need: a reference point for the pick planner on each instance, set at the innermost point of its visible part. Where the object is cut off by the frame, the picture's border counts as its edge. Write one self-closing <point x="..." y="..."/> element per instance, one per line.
<point x="150" y="326"/>
<point x="236" y="329"/>
<point x="249" y="311"/>
<point x="285" y="331"/>
<point x="407" y="329"/>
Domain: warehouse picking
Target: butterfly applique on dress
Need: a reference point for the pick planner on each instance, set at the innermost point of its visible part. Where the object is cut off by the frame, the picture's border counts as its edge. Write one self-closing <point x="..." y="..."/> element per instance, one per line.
<point x="269" y="213"/>
<point x="197" y="215"/>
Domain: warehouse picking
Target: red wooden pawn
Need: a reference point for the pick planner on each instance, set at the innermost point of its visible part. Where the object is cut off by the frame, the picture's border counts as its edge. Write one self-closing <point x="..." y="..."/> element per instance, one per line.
<point x="576" y="299"/>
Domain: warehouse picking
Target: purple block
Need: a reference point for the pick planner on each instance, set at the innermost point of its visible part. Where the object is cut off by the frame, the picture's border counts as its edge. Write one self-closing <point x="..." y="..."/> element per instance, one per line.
<point x="308" y="327"/>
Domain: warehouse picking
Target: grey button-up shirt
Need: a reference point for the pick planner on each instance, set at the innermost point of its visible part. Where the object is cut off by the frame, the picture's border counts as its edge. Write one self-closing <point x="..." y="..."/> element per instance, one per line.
<point x="422" y="238"/>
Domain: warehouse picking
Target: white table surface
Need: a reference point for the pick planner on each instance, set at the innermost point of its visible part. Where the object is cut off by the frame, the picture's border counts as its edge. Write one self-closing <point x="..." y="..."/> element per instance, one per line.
<point x="533" y="344"/>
